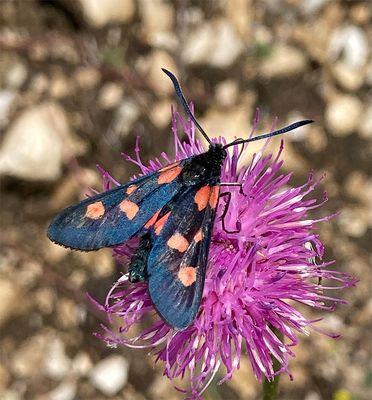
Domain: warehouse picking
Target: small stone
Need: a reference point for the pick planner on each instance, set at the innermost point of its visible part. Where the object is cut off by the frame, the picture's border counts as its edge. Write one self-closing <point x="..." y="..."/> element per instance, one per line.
<point x="27" y="359"/>
<point x="349" y="78"/>
<point x="60" y="87"/>
<point x="156" y="15"/>
<point x="227" y="93"/>
<point x="164" y="40"/>
<point x="67" y="313"/>
<point x="16" y="76"/>
<point x="4" y="378"/>
<point x="56" y="362"/>
<point x="11" y="394"/>
<point x="215" y="43"/>
<point x="9" y="300"/>
<point x="359" y="186"/>
<point x="44" y="300"/>
<point x="110" y="375"/>
<point x="368" y="74"/>
<point x="361" y="13"/>
<point x="159" y="82"/>
<point x="284" y="61"/>
<point x="30" y="274"/>
<point x="39" y="51"/>
<point x="316" y="140"/>
<point x="39" y="84"/>
<point x="64" y="391"/>
<point x="110" y="95"/>
<point x="103" y="266"/>
<point x="343" y="115"/>
<point x="312" y="7"/>
<point x="78" y="278"/>
<point x="161" y="114"/>
<point x="241" y="14"/>
<point x="125" y="116"/>
<point x="87" y="77"/>
<point x="33" y="146"/>
<point x="365" y="125"/>
<point x="350" y="44"/>
<point x="6" y="100"/>
<point x="99" y="13"/>
<point x="353" y="222"/>
<point x="53" y="253"/>
<point x="82" y="364"/>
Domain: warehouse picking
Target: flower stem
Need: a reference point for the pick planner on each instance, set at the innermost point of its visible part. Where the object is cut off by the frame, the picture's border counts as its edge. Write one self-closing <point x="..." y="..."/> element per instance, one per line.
<point x="270" y="388"/>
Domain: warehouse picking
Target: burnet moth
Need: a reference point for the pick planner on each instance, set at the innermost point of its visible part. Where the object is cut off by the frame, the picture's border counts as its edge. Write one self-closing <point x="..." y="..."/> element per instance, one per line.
<point x="172" y="212"/>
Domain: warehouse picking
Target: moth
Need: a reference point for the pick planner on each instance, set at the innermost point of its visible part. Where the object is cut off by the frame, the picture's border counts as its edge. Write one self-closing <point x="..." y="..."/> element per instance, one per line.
<point x="172" y="211"/>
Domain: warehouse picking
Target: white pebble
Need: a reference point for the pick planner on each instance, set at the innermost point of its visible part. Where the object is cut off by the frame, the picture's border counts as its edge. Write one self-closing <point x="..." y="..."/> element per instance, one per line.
<point x="215" y="43"/>
<point x="110" y="375"/>
<point x="99" y="13"/>
<point x="16" y="76"/>
<point x="350" y="44"/>
<point x="6" y="100"/>
<point x="283" y="61"/>
<point x="64" y="391"/>
<point x="32" y="148"/>
<point x="56" y="362"/>
<point x="343" y="115"/>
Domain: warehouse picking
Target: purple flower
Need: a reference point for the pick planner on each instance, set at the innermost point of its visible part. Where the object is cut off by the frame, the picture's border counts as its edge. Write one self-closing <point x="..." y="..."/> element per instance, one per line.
<point x="254" y="281"/>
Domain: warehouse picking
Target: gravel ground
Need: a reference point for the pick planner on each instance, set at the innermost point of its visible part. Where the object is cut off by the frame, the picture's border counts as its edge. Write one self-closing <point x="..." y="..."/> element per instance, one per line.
<point x="80" y="79"/>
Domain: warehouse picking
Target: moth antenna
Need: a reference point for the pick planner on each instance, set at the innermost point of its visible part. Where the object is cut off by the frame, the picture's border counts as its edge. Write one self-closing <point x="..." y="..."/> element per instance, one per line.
<point x="286" y="129"/>
<point x="182" y="99"/>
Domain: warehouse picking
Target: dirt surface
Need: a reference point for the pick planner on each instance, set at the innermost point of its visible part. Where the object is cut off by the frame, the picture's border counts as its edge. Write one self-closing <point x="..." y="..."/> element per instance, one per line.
<point x="77" y="87"/>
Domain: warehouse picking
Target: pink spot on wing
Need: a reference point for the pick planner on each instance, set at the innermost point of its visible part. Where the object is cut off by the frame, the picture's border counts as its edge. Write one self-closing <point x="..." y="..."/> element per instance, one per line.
<point x="187" y="275"/>
<point x="169" y="175"/>
<point x="131" y="189"/>
<point x="201" y="197"/>
<point x="95" y="210"/>
<point x="178" y="242"/>
<point x="129" y="208"/>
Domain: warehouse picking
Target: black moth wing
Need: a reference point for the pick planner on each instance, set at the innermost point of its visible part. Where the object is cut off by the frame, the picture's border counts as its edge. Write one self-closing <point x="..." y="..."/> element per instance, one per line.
<point x="113" y="217"/>
<point x="178" y="260"/>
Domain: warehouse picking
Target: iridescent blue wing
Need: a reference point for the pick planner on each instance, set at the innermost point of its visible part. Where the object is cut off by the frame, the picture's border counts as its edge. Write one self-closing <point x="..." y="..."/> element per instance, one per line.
<point x="177" y="261"/>
<point x="113" y="217"/>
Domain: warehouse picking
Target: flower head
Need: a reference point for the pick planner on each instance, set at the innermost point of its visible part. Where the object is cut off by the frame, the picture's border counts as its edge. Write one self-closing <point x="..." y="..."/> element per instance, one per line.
<point x="255" y="278"/>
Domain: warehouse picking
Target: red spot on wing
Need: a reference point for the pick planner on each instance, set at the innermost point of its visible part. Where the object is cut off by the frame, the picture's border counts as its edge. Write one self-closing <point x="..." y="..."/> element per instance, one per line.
<point x="213" y="200"/>
<point x="169" y="175"/>
<point x="178" y="242"/>
<point x="160" y="223"/>
<point x="187" y="275"/>
<point x="152" y="220"/>
<point x="198" y="236"/>
<point x="170" y="166"/>
<point x="131" y="189"/>
<point x="95" y="210"/>
<point x="201" y="197"/>
<point x="129" y="208"/>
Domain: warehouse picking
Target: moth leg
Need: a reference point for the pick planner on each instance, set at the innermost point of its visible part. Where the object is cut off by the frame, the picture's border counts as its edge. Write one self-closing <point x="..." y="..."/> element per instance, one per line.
<point x="238" y="223"/>
<point x="241" y="191"/>
<point x="137" y="268"/>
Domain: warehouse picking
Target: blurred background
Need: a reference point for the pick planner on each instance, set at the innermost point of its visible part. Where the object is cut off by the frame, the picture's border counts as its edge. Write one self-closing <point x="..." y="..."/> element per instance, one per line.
<point x="79" y="80"/>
